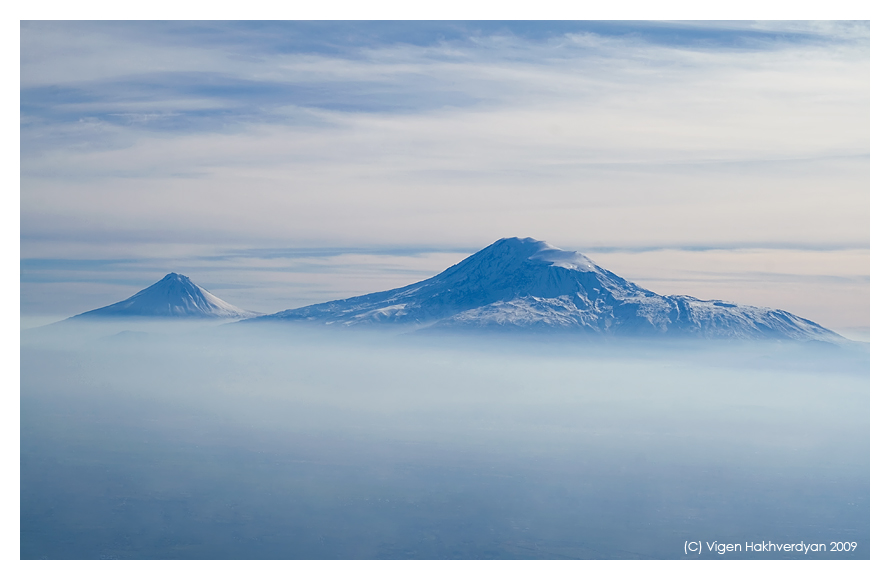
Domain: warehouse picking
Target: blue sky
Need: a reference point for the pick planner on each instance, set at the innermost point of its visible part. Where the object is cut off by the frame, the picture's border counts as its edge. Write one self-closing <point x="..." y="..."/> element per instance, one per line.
<point x="297" y="161"/>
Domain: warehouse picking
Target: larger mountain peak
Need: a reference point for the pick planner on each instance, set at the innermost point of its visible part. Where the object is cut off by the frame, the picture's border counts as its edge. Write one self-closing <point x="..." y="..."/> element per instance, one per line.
<point x="528" y="284"/>
<point x="520" y="249"/>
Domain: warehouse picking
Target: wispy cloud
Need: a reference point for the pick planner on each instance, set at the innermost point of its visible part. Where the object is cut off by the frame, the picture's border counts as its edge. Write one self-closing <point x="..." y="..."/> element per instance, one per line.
<point x="441" y="135"/>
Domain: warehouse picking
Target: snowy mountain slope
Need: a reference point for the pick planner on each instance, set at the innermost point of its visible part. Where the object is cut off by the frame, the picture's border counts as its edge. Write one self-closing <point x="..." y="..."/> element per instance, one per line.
<point x="174" y="296"/>
<point x="522" y="283"/>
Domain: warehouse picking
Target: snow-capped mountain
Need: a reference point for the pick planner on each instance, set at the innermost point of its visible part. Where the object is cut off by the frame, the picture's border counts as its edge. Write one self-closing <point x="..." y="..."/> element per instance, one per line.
<point x="523" y="283"/>
<point x="174" y="296"/>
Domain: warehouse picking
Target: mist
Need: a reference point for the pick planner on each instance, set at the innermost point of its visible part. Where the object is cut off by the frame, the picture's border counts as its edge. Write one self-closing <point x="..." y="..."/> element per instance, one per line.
<point x="253" y="440"/>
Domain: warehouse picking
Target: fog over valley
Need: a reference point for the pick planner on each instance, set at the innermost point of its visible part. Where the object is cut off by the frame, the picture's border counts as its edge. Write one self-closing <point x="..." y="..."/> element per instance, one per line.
<point x="279" y="441"/>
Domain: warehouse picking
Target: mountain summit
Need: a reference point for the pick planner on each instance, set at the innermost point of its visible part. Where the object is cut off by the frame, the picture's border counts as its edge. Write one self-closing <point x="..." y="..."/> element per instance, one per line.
<point x="174" y="296"/>
<point x="526" y="284"/>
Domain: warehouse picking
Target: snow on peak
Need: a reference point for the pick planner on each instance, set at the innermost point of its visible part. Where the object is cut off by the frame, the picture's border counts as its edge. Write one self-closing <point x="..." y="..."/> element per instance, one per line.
<point x="540" y="251"/>
<point x="564" y="259"/>
<point x="527" y="283"/>
<point x="174" y="277"/>
<point x="175" y="295"/>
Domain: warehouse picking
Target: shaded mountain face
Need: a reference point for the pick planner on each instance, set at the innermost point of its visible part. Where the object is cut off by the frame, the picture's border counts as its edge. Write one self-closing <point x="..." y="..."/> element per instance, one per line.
<point x="174" y="296"/>
<point x="526" y="284"/>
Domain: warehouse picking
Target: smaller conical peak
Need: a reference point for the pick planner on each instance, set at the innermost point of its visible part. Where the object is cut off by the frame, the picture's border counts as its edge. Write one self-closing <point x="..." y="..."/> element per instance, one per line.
<point x="174" y="277"/>
<point x="172" y="295"/>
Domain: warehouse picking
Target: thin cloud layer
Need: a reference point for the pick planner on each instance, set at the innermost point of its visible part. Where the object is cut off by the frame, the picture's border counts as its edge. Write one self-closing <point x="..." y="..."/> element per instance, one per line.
<point x="449" y="135"/>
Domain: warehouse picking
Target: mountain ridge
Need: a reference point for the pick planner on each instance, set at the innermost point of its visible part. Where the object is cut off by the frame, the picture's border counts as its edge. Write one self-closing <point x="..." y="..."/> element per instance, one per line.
<point x="518" y="284"/>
